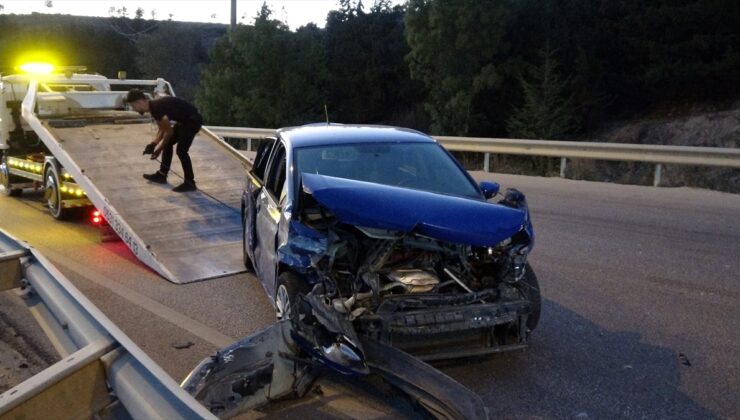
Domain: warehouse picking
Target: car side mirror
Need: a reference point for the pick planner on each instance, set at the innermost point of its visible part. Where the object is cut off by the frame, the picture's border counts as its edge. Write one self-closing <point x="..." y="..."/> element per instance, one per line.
<point x="489" y="188"/>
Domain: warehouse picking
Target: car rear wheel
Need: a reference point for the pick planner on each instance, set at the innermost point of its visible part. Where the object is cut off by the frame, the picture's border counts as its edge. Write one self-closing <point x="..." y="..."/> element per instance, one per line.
<point x="288" y="287"/>
<point x="530" y="288"/>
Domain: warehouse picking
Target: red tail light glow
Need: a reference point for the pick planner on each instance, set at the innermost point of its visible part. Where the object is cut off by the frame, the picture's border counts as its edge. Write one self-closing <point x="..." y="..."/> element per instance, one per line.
<point x="96" y="217"/>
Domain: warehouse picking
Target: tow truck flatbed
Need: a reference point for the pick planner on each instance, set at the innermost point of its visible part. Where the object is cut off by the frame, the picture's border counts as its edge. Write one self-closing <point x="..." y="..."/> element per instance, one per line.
<point x="192" y="236"/>
<point x="72" y="136"/>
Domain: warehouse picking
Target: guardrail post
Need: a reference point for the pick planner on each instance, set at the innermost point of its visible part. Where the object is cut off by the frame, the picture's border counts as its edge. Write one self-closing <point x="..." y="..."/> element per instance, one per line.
<point x="563" y="163"/>
<point x="10" y="269"/>
<point x="486" y="162"/>
<point x="658" y="172"/>
<point x="249" y="145"/>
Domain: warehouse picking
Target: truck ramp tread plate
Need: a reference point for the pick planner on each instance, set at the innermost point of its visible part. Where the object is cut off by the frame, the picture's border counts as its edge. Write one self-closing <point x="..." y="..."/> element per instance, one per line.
<point x="193" y="236"/>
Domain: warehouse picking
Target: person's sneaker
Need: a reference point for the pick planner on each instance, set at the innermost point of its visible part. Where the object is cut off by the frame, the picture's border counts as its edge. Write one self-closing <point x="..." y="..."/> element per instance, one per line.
<point x="185" y="186"/>
<point x="156" y="177"/>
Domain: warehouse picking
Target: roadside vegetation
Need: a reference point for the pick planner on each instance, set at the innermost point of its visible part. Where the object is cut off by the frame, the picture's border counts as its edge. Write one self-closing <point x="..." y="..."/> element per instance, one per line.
<point x="543" y="69"/>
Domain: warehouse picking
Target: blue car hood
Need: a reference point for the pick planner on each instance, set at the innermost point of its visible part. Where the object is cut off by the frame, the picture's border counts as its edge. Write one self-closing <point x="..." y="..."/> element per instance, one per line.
<point x="443" y="217"/>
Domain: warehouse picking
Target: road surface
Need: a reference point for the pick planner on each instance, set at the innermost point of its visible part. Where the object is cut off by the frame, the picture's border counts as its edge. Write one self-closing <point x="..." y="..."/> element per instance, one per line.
<point x="640" y="317"/>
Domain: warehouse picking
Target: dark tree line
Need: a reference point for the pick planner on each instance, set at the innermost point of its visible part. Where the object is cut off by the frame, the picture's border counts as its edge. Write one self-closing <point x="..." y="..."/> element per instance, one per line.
<point x="517" y="68"/>
<point x="354" y="70"/>
<point x="143" y="48"/>
<point x="520" y="68"/>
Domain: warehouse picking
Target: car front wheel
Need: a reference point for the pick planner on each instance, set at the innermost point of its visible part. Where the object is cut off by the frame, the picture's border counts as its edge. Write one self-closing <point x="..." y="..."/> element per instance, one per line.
<point x="245" y="255"/>
<point x="288" y="287"/>
<point x="530" y="288"/>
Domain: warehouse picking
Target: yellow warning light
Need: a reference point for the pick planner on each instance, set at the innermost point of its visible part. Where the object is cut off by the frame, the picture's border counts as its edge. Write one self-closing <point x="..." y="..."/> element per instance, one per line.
<point x="64" y="188"/>
<point x="66" y="175"/>
<point x="37" y="68"/>
<point x="79" y="193"/>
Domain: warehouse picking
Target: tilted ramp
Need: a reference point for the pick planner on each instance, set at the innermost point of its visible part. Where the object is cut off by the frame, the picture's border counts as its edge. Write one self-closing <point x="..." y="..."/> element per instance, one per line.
<point x="185" y="237"/>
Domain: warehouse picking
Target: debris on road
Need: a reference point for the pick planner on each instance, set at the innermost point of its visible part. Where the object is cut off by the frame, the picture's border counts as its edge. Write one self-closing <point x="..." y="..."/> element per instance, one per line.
<point x="684" y="360"/>
<point x="284" y="361"/>
<point x="183" y="345"/>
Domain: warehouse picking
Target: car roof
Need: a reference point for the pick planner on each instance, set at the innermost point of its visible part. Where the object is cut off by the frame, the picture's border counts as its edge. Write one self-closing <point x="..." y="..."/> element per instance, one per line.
<point x="321" y="134"/>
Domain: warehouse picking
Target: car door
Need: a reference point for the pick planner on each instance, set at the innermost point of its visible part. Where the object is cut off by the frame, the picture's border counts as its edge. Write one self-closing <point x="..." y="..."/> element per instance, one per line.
<point x="255" y="184"/>
<point x="268" y="215"/>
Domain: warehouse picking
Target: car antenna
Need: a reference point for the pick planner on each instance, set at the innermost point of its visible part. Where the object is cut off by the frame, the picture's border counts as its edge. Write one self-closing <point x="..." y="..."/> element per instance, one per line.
<point x="326" y="112"/>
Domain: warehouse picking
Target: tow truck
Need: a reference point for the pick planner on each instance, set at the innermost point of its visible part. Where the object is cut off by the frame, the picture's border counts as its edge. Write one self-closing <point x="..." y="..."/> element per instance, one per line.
<point x="69" y="133"/>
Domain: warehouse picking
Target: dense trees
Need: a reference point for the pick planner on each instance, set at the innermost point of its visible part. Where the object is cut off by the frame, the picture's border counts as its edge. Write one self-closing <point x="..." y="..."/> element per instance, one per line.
<point x="465" y="67"/>
<point x="368" y="79"/>
<point x="620" y="57"/>
<point x="183" y="58"/>
<point x="547" y="111"/>
<point x="456" y="51"/>
<point x="265" y="76"/>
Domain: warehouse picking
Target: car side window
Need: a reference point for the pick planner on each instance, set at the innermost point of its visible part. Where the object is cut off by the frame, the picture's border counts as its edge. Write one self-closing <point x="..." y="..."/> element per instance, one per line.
<point x="262" y="157"/>
<point x="276" y="177"/>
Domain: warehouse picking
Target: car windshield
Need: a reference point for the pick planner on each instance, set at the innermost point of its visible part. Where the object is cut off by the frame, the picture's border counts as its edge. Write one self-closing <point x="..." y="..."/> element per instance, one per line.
<point x="421" y="166"/>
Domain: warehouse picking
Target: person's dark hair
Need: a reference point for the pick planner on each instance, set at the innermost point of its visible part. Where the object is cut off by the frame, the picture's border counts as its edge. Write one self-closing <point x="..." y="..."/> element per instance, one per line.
<point x="134" y="95"/>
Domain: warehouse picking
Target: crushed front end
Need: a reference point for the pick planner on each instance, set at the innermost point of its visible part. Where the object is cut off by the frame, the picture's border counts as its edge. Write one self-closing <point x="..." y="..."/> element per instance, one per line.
<point x="435" y="286"/>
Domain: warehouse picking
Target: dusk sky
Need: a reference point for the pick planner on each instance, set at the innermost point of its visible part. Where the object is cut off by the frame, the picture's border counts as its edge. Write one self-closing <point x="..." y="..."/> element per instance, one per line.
<point x="295" y="12"/>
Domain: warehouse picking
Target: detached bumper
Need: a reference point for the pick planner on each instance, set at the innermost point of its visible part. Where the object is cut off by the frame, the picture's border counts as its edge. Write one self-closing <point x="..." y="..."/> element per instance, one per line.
<point x="448" y="332"/>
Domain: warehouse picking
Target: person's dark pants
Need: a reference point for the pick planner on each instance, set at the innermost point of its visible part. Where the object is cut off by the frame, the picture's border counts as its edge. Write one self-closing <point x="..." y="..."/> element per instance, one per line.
<point x="183" y="137"/>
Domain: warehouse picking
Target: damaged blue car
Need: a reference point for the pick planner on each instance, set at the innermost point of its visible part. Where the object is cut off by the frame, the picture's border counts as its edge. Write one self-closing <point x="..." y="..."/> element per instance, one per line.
<point x="371" y="232"/>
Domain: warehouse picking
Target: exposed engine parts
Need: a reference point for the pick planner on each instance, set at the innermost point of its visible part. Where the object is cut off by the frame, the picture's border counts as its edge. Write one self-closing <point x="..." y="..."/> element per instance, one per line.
<point x="362" y="267"/>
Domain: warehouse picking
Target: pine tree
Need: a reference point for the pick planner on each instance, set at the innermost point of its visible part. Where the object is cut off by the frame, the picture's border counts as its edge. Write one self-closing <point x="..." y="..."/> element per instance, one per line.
<point x="548" y="111"/>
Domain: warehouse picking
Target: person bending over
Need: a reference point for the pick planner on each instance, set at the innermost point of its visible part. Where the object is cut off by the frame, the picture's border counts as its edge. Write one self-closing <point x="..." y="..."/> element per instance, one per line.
<point x="178" y="122"/>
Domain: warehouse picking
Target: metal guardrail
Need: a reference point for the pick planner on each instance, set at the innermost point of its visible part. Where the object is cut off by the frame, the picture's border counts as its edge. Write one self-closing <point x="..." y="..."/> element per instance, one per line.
<point x="658" y="154"/>
<point x="242" y="132"/>
<point x="101" y="371"/>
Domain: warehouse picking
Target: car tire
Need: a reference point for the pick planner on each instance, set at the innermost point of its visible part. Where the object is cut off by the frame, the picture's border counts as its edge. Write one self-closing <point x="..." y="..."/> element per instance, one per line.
<point x="289" y="286"/>
<point x="245" y="255"/>
<point x="6" y="179"/>
<point x="530" y="288"/>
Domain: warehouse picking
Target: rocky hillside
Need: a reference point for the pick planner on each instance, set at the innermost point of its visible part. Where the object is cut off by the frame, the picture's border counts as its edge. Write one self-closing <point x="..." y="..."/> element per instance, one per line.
<point x="698" y="128"/>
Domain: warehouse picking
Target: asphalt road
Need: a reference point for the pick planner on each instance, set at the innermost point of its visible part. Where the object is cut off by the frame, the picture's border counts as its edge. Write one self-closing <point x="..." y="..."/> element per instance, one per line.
<point x="640" y="317"/>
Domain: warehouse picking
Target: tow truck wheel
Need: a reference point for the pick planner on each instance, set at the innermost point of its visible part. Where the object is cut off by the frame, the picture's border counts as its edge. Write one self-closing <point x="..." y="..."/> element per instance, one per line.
<point x="5" y="179"/>
<point x="53" y="194"/>
<point x="288" y="287"/>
